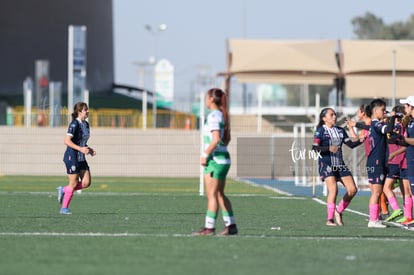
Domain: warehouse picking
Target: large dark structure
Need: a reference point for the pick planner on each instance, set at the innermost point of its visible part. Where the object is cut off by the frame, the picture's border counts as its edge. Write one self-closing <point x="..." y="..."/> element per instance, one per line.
<point x="32" y="30"/>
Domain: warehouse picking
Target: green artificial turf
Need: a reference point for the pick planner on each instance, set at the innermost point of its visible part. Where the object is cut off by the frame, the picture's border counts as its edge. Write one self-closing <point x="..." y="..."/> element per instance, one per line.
<point x="144" y="226"/>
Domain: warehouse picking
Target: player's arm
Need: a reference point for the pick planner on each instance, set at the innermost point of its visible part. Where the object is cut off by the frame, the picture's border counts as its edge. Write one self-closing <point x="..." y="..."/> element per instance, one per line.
<point x="408" y="141"/>
<point x="68" y="142"/>
<point x="92" y="151"/>
<point x="352" y="143"/>
<point x="215" y="140"/>
<point x="389" y="127"/>
<point x="351" y="130"/>
<point x="361" y="125"/>
<point x="397" y="152"/>
<point x="317" y="147"/>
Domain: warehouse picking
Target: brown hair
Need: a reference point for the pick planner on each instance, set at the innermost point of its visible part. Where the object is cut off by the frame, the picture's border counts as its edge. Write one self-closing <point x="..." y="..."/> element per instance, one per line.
<point x="220" y="99"/>
<point x="78" y="108"/>
<point x="365" y="108"/>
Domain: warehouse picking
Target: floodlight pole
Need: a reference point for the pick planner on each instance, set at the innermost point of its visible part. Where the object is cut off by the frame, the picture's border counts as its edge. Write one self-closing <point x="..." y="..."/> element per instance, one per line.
<point x="394" y="92"/>
<point x="155" y="32"/>
<point x="141" y="74"/>
<point x="202" y="116"/>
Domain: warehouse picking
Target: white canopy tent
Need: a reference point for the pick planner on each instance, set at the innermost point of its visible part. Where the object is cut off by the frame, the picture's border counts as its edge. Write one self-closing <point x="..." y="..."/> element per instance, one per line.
<point x="288" y="62"/>
<point x="371" y="68"/>
<point x="378" y="68"/>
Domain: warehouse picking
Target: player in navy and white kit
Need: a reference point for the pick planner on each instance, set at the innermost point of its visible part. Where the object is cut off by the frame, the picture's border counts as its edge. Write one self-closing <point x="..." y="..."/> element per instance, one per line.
<point x="77" y="167"/>
<point x="377" y="159"/>
<point x="328" y="139"/>
<point x="408" y="141"/>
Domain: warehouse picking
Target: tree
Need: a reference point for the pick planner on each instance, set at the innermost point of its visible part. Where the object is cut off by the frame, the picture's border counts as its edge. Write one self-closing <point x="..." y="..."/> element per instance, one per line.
<point x="370" y="26"/>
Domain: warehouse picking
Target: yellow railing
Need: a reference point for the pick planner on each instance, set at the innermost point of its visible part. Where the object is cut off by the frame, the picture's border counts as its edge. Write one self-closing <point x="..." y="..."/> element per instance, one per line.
<point x="122" y="118"/>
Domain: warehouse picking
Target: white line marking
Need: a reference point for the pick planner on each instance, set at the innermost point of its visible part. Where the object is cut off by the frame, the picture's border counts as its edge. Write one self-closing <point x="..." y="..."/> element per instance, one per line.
<point x="120" y="194"/>
<point x="349" y="210"/>
<point x="288" y="198"/>
<point x="124" y="235"/>
<point x="265" y="187"/>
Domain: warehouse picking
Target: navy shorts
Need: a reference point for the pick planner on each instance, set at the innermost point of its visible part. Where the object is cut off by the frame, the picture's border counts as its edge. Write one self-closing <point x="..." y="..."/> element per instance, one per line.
<point x="394" y="171"/>
<point x="411" y="179"/>
<point x="338" y="172"/>
<point x="376" y="174"/>
<point x="73" y="166"/>
<point x="403" y="174"/>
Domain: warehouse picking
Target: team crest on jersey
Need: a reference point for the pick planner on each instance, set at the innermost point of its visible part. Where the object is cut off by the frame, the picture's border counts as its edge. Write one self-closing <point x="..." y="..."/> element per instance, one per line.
<point x="72" y="126"/>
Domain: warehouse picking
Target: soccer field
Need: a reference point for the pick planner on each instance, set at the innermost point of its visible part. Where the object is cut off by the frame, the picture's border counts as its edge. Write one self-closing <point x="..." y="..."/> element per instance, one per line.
<point x="144" y="225"/>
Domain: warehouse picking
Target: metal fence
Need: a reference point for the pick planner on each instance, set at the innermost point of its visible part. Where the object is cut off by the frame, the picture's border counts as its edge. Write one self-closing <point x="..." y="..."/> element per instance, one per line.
<point x="124" y="118"/>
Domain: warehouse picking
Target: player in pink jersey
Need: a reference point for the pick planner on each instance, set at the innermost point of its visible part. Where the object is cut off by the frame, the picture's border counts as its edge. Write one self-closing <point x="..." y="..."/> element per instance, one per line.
<point x="406" y="188"/>
<point x="364" y="118"/>
<point x="395" y="158"/>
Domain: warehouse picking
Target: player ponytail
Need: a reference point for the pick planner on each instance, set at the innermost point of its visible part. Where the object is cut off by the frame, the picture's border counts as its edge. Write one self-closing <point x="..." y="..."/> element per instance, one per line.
<point x="220" y="99"/>
<point x="224" y="110"/>
<point x="367" y="110"/>
<point x="78" y="108"/>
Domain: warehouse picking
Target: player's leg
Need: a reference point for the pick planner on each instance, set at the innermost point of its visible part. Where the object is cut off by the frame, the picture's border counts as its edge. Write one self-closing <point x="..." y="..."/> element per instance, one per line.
<point x="84" y="180"/>
<point x="389" y="185"/>
<point x="392" y="199"/>
<point x="65" y="194"/>
<point x="332" y="186"/>
<point x="227" y="210"/>
<point x="408" y="202"/>
<point x="384" y="213"/>
<point x="376" y="178"/>
<point x="351" y="190"/>
<point x="211" y="191"/>
<point x="376" y="190"/>
<point x="68" y="190"/>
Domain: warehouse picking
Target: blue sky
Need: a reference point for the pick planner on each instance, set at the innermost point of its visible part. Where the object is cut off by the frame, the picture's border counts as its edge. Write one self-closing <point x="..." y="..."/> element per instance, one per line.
<point x="197" y="30"/>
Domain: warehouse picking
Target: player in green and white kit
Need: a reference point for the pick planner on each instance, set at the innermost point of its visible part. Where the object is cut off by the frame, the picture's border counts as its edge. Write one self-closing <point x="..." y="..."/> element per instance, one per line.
<point x="216" y="160"/>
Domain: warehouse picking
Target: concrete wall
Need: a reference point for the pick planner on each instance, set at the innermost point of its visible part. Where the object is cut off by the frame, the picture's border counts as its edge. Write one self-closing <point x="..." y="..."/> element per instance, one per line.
<point x="131" y="152"/>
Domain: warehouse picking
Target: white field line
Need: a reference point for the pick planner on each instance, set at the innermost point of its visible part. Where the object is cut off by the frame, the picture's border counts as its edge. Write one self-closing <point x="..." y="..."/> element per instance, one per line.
<point x="349" y="210"/>
<point x="87" y="193"/>
<point x="127" y="235"/>
<point x="118" y="235"/>
<point x="266" y="187"/>
<point x="291" y="196"/>
<point x="288" y="198"/>
<point x="120" y="194"/>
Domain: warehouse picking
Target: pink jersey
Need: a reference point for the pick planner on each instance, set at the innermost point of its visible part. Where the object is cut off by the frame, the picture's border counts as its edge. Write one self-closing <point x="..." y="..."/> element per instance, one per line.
<point x="398" y="159"/>
<point x="404" y="160"/>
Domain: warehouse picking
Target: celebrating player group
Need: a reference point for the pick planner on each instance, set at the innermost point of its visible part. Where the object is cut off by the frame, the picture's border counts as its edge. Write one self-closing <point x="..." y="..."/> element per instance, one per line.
<point x="388" y="139"/>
